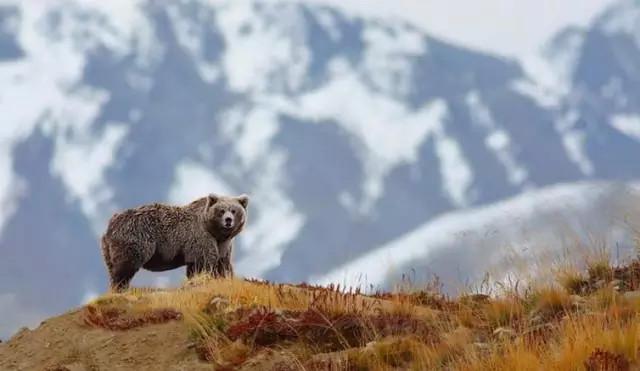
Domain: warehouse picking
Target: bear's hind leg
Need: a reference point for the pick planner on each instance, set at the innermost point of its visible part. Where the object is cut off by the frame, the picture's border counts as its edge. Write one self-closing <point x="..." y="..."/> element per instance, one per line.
<point x="122" y="274"/>
<point x="126" y="260"/>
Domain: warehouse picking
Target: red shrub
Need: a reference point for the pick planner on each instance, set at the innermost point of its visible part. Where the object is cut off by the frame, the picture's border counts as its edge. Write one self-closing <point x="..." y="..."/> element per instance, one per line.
<point x="119" y="319"/>
<point x="329" y="331"/>
<point x="602" y="360"/>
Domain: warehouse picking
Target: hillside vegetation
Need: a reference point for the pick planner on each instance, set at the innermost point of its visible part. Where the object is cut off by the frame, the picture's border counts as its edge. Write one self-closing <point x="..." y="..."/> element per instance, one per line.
<point x="581" y="321"/>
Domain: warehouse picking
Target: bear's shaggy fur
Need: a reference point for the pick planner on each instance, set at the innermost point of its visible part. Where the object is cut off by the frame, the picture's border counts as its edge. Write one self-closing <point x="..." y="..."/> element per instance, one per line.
<point x="160" y="237"/>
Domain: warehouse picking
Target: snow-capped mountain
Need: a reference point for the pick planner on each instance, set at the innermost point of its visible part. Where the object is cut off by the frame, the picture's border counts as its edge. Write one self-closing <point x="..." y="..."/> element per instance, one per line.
<point x="348" y="133"/>
<point x="523" y="237"/>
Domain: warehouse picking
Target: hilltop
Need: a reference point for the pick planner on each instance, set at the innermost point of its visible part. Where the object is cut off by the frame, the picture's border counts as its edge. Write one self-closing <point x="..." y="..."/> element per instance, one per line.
<point x="581" y="321"/>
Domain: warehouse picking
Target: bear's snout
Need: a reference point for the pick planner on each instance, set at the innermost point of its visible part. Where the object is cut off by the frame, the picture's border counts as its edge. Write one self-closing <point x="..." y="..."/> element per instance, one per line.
<point x="227" y="220"/>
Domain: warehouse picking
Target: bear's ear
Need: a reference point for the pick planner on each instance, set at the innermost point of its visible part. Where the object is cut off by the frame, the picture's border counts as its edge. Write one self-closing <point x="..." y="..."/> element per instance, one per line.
<point x="243" y="200"/>
<point x="211" y="200"/>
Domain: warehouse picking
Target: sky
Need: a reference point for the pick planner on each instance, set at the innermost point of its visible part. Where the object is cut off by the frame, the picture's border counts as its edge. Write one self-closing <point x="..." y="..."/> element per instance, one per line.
<point x="512" y="28"/>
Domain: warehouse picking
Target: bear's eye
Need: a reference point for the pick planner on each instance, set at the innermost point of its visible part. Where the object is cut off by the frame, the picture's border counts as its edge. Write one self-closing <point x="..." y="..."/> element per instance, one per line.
<point x="233" y="211"/>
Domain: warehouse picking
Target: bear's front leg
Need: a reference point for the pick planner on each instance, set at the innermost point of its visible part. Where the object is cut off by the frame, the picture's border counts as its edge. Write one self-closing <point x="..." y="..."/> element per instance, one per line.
<point x="191" y="270"/>
<point x="205" y="262"/>
<point x="224" y="267"/>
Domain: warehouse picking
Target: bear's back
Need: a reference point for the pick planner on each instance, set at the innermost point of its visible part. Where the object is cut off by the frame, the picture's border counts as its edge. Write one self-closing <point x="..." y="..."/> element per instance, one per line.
<point x="151" y="220"/>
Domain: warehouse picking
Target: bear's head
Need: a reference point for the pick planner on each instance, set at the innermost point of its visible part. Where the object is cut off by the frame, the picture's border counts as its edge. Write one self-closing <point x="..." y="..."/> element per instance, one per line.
<point x="225" y="216"/>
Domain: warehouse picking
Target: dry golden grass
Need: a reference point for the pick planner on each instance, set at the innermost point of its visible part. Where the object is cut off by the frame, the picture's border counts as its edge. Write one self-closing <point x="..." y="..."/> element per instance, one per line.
<point x="576" y="339"/>
<point x="581" y="321"/>
<point x="197" y="294"/>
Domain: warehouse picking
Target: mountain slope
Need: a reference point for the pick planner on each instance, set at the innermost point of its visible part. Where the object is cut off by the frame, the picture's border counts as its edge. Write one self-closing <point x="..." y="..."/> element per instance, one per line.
<point x="565" y="222"/>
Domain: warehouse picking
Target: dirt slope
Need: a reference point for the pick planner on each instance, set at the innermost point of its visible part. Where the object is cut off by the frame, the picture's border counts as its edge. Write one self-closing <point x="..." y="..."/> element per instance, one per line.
<point x="66" y="343"/>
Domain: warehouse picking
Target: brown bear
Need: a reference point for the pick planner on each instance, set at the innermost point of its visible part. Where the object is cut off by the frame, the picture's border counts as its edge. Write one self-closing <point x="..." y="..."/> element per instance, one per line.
<point x="160" y="237"/>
